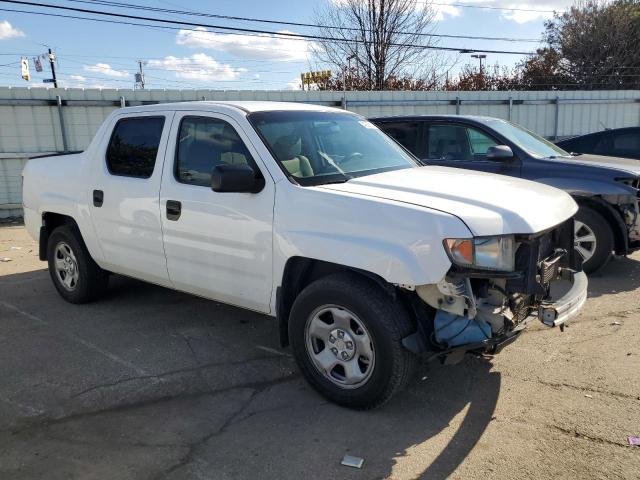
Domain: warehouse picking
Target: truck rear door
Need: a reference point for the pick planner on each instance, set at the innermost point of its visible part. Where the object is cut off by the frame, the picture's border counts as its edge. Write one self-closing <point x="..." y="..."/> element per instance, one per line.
<point x="218" y="245"/>
<point x="124" y="195"/>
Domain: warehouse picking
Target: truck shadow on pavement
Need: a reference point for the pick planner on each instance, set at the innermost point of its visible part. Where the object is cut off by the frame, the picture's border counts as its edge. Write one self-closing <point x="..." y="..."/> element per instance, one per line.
<point x="151" y="383"/>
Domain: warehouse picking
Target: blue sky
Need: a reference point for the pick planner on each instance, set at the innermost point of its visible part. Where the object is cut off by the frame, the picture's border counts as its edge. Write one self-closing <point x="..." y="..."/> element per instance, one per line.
<point x="92" y="54"/>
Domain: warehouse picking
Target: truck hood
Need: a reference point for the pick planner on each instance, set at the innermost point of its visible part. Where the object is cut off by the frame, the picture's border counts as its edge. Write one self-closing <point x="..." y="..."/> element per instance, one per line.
<point x="488" y="204"/>
<point x="626" y="164"/>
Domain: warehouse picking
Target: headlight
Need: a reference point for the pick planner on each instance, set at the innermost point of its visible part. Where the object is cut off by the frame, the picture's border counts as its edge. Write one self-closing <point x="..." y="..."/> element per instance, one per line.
<point x="492" y="253"/>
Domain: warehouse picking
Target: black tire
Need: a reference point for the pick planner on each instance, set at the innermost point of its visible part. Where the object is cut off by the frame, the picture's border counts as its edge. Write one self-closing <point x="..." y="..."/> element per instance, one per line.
<point x="386" y="321"/>
<point x="91" y="279"/>
<point x="595" y="222"/>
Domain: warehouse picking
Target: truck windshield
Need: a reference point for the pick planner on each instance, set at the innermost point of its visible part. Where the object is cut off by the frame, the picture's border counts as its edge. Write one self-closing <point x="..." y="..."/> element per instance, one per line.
<point x="530" y="142"/>
<point x="317" y="148"/>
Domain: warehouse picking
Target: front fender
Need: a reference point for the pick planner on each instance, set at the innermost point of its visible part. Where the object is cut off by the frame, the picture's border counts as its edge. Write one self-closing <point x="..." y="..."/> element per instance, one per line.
<point x="398" y="242"/>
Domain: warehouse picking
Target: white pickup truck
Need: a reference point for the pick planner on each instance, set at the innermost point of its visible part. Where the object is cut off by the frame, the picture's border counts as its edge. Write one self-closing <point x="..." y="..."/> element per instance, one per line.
<point x="368" y="260"/>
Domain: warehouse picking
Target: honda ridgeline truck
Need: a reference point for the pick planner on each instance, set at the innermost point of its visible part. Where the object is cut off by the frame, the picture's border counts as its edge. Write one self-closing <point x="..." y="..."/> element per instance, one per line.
<point x="368" y="260"/>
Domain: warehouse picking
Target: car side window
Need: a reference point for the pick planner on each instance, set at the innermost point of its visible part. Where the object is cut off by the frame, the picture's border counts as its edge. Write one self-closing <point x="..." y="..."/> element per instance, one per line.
<point x="133" y="146"/>
<point x="480" y="143"/>
<point x="448" y="142"/>
<point x="204" y="143"/>
<point x="457" y="142"/>
<point x="626" y="143"/>
<point x="405" y="133"/>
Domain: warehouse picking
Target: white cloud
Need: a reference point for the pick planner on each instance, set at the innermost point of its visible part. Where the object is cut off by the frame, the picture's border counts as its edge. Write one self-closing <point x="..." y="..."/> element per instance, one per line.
<point x="268" y="47"/>
<point x="106" y="69"/>
<point x="294" y="84"/>
<point x="199" y="66"/>
<point x="445" y="9"/>
<point x="9" y="31"/>
<point x="522" y="11"/>
<point x="78" y="78"/>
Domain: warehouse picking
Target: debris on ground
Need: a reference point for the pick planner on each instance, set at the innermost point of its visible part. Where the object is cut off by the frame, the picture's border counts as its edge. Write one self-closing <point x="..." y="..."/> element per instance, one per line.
<point x="351" y="461"/>
<point x="16" y="248"/>
<point x="588" y="396"/>
<point x="634" y="441"/>
<point x="5" y="259"/>
<point x="615" y="323"/>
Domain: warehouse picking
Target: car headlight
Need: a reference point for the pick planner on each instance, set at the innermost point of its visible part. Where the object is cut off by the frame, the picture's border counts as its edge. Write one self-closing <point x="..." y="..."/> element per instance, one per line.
<point x="491" y="253"/>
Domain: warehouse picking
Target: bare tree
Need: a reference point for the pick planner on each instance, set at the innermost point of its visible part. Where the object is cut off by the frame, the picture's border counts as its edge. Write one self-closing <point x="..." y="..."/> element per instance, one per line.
<point x="380" y="39"/>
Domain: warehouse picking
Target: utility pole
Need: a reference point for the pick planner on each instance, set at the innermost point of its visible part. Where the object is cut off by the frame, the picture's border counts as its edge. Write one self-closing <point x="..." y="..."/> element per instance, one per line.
<point x="140" y="76"/>
<point x="52" y="59"/>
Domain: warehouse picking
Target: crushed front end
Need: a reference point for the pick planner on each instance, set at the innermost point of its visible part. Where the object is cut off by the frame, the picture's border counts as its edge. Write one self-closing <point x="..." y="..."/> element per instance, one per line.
<point x="493" y="290"/>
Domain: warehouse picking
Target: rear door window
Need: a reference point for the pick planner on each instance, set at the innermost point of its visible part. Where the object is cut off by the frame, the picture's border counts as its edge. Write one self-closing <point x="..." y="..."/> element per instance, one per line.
<point x="133" y="146"/>
<point x="405" y="133"/>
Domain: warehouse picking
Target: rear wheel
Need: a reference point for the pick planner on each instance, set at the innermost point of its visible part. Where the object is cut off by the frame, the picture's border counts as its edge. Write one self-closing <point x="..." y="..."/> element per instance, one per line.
<point x="593" y="239"/>
<point x="75" y="275"/>
<point x="346" y="336"/>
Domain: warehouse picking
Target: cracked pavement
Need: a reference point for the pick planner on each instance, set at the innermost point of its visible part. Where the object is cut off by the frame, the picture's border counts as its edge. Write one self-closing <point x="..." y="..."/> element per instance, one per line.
<point x="154" y="384"/>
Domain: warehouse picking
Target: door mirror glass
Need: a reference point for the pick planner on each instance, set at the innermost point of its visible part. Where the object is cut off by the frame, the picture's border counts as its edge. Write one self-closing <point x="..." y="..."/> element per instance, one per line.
<point x="235" y="178"/>
<point x="500" y="153"/>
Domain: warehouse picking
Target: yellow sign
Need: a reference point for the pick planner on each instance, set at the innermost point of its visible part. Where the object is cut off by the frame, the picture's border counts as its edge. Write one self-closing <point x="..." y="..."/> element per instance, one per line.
<point x="315" y="77"/>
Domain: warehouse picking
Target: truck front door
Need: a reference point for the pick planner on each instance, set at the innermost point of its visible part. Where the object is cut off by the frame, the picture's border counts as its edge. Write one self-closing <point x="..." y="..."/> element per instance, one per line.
<point x="123" y="196"/>
<point x="218" y="245"/>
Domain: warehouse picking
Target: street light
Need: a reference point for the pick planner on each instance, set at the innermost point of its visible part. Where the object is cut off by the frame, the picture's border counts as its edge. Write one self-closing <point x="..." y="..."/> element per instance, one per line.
<point x="479" y="56"/>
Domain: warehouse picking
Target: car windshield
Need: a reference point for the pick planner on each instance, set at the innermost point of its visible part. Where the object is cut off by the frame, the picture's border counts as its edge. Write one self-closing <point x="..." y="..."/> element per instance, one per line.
<point x="317" y="148"/>
<point x="530" y="142"/>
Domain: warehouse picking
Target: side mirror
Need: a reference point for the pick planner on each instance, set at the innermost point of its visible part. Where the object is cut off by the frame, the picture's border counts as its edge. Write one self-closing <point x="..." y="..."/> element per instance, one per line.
<point x="235" y="178"/>
<point x="500" y="153"/>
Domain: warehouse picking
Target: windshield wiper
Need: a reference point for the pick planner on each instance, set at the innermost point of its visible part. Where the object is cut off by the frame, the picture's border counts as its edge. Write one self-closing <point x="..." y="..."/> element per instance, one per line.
<point x="344" y="178"/>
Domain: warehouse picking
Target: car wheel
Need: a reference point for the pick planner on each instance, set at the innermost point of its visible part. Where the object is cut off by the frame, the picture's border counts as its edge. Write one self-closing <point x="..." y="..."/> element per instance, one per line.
<point x="75" y="275"/>
<point x="593" y="239"/>
<point x="346" y="336"/>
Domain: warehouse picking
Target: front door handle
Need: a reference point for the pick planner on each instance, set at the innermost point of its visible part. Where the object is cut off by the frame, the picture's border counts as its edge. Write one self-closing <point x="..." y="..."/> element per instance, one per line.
<point x="174" y="209"/>
<point x="98" y="198"/>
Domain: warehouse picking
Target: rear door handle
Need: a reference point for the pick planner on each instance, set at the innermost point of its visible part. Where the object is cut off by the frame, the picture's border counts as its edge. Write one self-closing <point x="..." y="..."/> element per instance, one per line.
<point x="174" y="209"/>
<point x="98" y="198"/>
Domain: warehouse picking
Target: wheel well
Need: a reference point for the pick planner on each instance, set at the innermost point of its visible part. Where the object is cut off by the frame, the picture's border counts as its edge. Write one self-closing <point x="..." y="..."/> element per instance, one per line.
<point x="613" y="218"/>
<point x="300" y="272"/>
<point x="51" y="221"/>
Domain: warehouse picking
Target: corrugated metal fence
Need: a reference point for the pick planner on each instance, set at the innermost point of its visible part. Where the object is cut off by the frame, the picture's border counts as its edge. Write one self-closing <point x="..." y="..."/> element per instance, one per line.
<point x="37" y="121"/>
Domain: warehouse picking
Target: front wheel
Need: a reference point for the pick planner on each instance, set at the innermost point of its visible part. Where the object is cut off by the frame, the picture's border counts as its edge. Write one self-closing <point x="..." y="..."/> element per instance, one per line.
<point x="346" y="334"/>
<point x="593" y="239"/>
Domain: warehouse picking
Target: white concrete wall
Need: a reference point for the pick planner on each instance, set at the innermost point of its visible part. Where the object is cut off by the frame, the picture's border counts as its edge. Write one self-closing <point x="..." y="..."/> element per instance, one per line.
<point x="34" y="128"/>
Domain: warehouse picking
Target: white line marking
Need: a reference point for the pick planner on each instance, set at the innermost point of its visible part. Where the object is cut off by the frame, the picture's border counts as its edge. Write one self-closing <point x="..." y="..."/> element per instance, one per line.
<point x="273" y="350"/>
<point x="22" y="312"/>
<point x="81" y="341"/>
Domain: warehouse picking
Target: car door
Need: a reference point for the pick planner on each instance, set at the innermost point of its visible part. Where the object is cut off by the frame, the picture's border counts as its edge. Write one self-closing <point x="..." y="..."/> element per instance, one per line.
<point x="124" y="195"/>
<point x="218" y="245"/>
<point x="463" y="146"/>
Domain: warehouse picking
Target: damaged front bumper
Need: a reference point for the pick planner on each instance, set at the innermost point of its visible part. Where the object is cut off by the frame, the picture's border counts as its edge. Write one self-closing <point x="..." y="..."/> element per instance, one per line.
<point x="554" y="313"/>
<point x="473" y="311"/>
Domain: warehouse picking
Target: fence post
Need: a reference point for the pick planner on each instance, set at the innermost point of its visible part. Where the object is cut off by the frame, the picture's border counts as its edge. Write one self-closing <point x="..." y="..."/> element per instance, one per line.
<point x="62" y="127"/>
<point x="557" y="125"/>
<point x="510" y="107"/>
<point x="457" y="105"/>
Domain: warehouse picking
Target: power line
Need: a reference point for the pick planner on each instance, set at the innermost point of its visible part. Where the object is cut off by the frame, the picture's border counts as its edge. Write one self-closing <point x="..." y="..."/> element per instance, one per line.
<point x="244" y="30"/>
<point x="283" y="22"/>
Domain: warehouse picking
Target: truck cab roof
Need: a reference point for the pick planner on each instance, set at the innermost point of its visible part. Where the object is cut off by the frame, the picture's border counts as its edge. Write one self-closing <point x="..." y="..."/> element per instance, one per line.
<point x="243" y="106"/>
